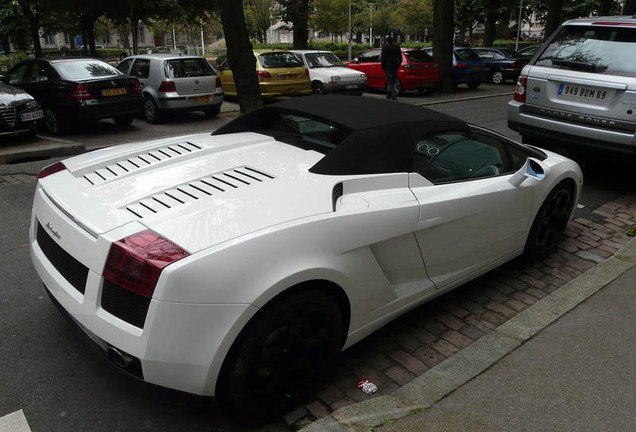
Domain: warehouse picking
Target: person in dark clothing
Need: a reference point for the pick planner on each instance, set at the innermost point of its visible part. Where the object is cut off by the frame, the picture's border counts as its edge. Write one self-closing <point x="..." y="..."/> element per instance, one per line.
<point x="391" y="59"/>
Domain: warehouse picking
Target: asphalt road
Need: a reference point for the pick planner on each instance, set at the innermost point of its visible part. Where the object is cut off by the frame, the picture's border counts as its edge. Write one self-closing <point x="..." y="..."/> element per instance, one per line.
<point x="61" y="386"/>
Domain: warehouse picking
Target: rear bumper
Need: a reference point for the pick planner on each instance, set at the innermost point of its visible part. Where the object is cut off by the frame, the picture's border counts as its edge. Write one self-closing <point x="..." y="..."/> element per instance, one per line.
<point x="352" y="87"/>
<point x="539" y="129"/>
<point x="95" y="110"/>
<point x="174" y="101"/>
<point x="285" y="88"/>
<point x="417" y="82"/>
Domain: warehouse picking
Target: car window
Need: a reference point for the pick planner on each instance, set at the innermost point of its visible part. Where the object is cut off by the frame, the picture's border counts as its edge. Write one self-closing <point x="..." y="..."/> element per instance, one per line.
<point x="188" y="67"/>
<point x="450" y="157"/>
<point x="370" y="56"/>
<point x="140" y="68"/>
<point x="41" y="72"/>
<point x="485" y="54"/>
<point x="84" y="69"/>
<point x="467" y="55"/>
<point x="602" y="50"/>
<point x="497" y="55"/>
<point x="418" y="56"/>
<point x="321" y="60"/>
<point x="124" y="66"/>
<point x="277" y="60"/>
<point x="17" y="77"/>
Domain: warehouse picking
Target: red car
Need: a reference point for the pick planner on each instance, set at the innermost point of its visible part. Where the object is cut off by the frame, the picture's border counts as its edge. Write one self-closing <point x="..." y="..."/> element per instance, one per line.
<point x="418" y="70"/>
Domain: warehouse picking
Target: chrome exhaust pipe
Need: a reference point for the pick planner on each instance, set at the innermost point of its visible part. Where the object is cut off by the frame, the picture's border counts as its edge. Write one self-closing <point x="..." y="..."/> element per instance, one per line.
<point x="118" y="357"/>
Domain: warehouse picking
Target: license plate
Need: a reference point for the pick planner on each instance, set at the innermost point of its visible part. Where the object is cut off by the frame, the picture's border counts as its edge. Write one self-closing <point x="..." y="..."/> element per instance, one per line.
<point x="476" y="67"/>
<point x="200" y="99"/>
<point x="32" y="115"/>
<point x="287" y="77"/>
<point x="351" y="86"/>
<point x="114" y="92"/>
<point x="582" y="92"/>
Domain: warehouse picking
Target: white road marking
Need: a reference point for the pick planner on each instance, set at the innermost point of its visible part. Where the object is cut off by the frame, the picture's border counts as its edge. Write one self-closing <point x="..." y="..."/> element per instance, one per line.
<point x="14" y="422"/>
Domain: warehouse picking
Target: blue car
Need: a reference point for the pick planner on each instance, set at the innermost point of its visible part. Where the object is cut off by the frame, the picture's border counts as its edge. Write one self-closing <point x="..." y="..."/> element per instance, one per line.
<point x="468" y="67"/>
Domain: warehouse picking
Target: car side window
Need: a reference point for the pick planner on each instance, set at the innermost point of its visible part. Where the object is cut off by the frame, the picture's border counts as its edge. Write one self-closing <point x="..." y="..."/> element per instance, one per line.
<point x="17" y="77"/>
<point x="140" y="68"/>
<point x="124" y="66"/>
<point x="371" y="56"/>
<point x="450" y="157"/>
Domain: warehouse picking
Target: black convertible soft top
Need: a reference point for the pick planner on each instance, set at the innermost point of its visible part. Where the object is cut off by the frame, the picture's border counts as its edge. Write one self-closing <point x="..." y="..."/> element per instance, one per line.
<point x="380" y="134"/>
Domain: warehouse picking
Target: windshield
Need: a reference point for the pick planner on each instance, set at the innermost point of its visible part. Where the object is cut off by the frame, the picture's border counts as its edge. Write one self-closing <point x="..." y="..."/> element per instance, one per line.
<point x="85" y="69"/>
<point x="188" y="67"/>
<point x="320" y="60"/>
<point x="602" y="50"/>
<point x="279" y="60"/>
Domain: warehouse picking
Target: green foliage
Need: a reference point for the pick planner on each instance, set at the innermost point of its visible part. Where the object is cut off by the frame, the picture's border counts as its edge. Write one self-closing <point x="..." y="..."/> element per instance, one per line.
<point x="8" y="61"/>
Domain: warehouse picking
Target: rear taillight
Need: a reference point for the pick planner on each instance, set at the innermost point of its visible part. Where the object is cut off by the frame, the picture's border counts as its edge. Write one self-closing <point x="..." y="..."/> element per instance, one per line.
<point x="263" y="74"/>
<point x="80" y="93"/>
<point x="167" y="87"/>
<point x="137" y="89"/>
<point x="461" y="65"/>
<point x="515" y="65"/>
<point x="520" y="90"/>
<point x="306" y="72"/>
<point x="218" y="82"/>
<point x="51" y="169"/>
<point x="136" y="262"/>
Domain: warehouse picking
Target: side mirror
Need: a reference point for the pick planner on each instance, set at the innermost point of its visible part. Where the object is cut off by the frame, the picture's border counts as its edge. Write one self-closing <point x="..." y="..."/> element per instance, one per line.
<point x="533" y="168"/>
<point x="356" y="60"/>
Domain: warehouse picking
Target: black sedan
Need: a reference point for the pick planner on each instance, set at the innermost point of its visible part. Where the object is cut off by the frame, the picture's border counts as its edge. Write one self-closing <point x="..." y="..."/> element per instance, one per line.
<point x="19" y="112"/>
<point x="78" y="89"/>
<point x="500" y="64"/>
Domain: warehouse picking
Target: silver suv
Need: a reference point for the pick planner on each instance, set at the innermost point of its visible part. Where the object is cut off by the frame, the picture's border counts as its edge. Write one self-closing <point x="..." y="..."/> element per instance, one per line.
<point x="173" y="82"/>
<point x="580" y="88"/>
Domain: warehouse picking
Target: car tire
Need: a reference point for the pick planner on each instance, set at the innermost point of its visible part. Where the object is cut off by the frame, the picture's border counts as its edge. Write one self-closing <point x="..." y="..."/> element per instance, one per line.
<point x="125" y="120"/>
<point x="318" y="88"/>
<point x="550" y="221"/>
<point x="282" y="353"/>
<point x="54" y="122"/>
<point x="473" y="84"/>
<point x="497" y="77"/>
<point x="151" y="111"/>
<point x="212" y="112"/>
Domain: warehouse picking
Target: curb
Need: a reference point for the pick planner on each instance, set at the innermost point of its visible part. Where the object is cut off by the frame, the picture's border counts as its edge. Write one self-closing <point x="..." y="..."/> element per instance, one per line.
<point x="427" y="389"/>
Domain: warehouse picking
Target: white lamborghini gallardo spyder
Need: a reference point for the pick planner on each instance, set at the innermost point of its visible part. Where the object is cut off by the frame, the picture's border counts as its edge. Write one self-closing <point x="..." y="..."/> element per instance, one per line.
<point x="238" y="264"/>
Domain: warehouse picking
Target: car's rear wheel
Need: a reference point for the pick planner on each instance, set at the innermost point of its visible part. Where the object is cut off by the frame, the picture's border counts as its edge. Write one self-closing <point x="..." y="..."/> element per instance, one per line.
<point x="54" y="122"/>
<point x="318" y="88"/>
<point x="151" y="111"/>
<point x="282" y="353"/>
<point x="125" y="120"/>
<point x="551" y="220"/>
<point x="212" y="112"/>
<point x="473" y="84"/>
<point x="497" y="77"/>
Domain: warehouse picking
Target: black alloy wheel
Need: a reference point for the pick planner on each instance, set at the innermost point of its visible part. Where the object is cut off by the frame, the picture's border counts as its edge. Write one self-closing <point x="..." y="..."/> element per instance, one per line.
<point x="550" y="222"/>
<point x="282" y="353"/>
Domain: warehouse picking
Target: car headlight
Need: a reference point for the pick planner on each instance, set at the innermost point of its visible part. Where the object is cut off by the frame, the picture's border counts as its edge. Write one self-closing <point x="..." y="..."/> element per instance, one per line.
<point x="362" y="77"/>
<point x="32" y="105"/>
<point x="334" y="79"/>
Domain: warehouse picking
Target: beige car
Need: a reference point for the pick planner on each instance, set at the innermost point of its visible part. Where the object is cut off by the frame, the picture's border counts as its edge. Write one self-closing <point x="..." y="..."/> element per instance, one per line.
<point x="280" y="73"/>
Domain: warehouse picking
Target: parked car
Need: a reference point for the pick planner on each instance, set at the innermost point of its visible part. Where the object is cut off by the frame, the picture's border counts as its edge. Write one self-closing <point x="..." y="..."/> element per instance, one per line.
<point x="238" y="264"/>
<point x="329" y="75"/>
<point x="500" y="64"/>
<point x="19" y="112"/>
<point x="418" y="71"/>
<point x="580" y="89"/>
<point x="468" y="67"/>
<point x="280" y="73"/>
<point x="527" y="52"/>
<point x="77" y="89"/>
<point x="173" y="83"/>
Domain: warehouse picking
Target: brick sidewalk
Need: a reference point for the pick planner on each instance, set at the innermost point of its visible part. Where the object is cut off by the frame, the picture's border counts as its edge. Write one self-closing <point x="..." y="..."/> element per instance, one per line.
<point x="429" y="334"/>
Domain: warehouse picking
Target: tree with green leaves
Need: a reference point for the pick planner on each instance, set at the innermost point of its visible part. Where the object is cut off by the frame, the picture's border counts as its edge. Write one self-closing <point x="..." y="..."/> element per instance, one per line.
<point x="259" y="16"/>
<point x="416" y="17"/>
<point x="296" y="12"/>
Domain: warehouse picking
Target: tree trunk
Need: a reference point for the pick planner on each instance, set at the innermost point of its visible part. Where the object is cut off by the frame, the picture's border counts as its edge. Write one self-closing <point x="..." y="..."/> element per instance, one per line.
<point x="300" y="25"/>
<point x="490" y="26"/>
<point x="443" y="31"/>
<point x="629" y="8"/>
<point x="554" y="16"/>
<point x="134" y="28"/>
<point x="34" y="26"/>
<point x="240" y="55"/>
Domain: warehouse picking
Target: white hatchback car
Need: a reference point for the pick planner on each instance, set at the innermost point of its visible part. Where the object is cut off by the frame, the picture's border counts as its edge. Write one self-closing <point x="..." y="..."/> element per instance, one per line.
<point x="240" y="263"/>
<point x="329" y="75"/>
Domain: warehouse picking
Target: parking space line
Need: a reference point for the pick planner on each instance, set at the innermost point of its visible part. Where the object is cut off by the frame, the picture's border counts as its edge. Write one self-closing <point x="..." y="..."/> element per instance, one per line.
<point x="14" y="422"/>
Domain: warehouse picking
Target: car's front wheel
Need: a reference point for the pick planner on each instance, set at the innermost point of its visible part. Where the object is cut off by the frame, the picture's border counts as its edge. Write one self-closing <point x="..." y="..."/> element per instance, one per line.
<point x="551" y="220"/>
<point x="282" y="353"/>
<point x="318" y="88"/>
<point x="497" y="77"/>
